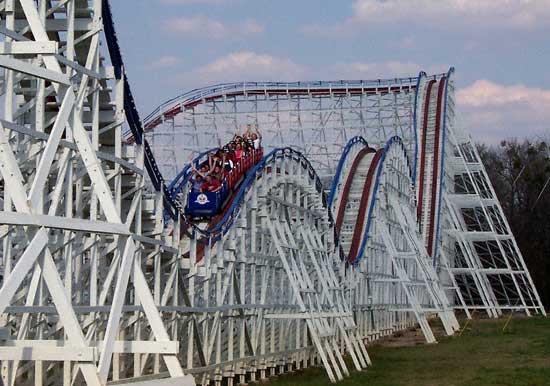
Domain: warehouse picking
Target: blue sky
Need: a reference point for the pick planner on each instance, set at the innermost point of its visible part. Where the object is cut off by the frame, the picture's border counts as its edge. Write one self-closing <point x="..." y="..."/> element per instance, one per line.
<point x="499" y="48"/>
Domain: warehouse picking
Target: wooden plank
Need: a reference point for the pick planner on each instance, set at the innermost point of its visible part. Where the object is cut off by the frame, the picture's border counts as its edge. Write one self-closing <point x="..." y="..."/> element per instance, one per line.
<point x="36" y="71"/>
<point x="119" y="346"/>
<point x="74" y="224"/>
<point x="186" y="380"/>
<point x="48" y="353"/>
<point x="28" y="48"/>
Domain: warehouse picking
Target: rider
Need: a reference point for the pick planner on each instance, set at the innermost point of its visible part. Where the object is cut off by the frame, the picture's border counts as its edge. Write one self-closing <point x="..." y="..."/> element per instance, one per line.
<point x="211" y="184"/>
<point x="257" y="138"/>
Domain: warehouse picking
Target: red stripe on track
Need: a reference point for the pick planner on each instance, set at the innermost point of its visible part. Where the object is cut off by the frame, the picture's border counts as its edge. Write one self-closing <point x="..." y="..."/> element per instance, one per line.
<point x="419" y="207"/>
<point x="363" y="207"/>
<point x="436" y="161"/>
<point x="347" y="187"/>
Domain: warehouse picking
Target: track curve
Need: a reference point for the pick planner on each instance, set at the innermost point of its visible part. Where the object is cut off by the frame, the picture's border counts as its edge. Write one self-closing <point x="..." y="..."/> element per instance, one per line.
<point x="364" y="172"/>
<point x="385" y="247"/>
<point x="258" y="171"/>
<point x="429" y="169"/>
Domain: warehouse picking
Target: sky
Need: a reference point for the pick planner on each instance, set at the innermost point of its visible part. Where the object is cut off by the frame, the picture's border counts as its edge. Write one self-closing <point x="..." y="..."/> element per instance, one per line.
<point x="499" y="48"/>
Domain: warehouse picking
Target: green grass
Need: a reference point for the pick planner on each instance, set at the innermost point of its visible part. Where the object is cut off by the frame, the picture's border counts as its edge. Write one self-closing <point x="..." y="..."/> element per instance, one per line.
<point x="482" y="356"/>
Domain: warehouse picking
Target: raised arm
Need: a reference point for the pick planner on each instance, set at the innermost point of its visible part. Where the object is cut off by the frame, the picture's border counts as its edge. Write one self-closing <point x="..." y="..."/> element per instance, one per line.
<point x="211" y="162"/>
<point x="237" y="132"/>
<point x="197" y="171"/>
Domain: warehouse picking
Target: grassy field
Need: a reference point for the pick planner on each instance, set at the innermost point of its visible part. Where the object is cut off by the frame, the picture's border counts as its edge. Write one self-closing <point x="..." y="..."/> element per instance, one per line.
<point x="483" y="355"/>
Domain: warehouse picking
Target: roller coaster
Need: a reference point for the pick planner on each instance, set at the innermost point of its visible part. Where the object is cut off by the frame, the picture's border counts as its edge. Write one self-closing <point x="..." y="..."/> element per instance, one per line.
<point x="369" y="212"/>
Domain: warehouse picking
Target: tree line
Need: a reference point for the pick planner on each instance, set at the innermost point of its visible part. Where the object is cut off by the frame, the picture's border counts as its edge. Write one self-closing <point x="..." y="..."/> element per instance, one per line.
<point x="520" y="173"/>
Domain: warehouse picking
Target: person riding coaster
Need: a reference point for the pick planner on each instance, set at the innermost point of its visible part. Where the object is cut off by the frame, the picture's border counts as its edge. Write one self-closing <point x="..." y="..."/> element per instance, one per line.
<point x="215" y="180"/>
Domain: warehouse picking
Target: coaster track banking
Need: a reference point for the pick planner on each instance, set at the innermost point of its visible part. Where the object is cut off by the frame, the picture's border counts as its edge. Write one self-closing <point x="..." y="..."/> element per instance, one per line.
<point x="431" y="138"/>
<point x="384" y="249"/>
<point x="96" y="289"/>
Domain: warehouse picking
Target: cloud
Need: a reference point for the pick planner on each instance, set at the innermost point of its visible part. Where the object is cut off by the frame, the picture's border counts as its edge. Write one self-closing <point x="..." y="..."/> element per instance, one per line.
<point x="186" y="2"/>
<point x="210" y="28"/>
<point x="511" y="13"/>
<point x="248" y="65"/>
<point x="163" y="62"/>
<point x="250" y="27"/>
<point x="253" y="66"/>
<point x="487" y="93"/>
<point x="377" y="70"/>
<point x="407" y="42"/>
<point x="494" y="111"/>
<point x="339" y="29"/>
<point x="464" y="15"/>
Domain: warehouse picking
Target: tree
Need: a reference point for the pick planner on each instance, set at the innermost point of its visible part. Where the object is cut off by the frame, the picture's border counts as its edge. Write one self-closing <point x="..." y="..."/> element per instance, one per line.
<point x="520" y="173"/>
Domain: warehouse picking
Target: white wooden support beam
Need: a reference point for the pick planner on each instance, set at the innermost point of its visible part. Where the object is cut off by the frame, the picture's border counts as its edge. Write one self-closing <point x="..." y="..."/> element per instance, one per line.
<point x="67" y="315"/>
<point x="93" y="167"/>
<point x="119" y="296"/>
<point x="30" y="69"/>
<point x="50" y="150"/>
<point x="29" y="48"/>
<point x="22" y="268"/>
<point x="39" y="32"/>
<point x="79" y="68"/>
<point x="119" y="346"/>
<point x="48" y="353"/>
<point x="55" y="222"/>
<point x="12" y="174"/>
<point x="12" y="34"/>
<point x="153" y="316"/>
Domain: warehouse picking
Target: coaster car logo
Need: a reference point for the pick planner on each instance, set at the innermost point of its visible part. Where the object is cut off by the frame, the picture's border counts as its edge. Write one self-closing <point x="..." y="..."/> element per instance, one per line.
<point x="202" y="199"/>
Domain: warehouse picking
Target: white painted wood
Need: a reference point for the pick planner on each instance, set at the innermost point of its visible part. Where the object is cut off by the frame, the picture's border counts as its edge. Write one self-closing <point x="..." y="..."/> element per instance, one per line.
<point x="28" y="48"/>
<point x="41" y="353"/>
<point x="73" y="224"/>
<point x="30" y="69"/>
<point x="51" y="148"/>
<point x="23" y="266"/>
<point x="177" y="381"/>
<point x="115" y="314"/>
